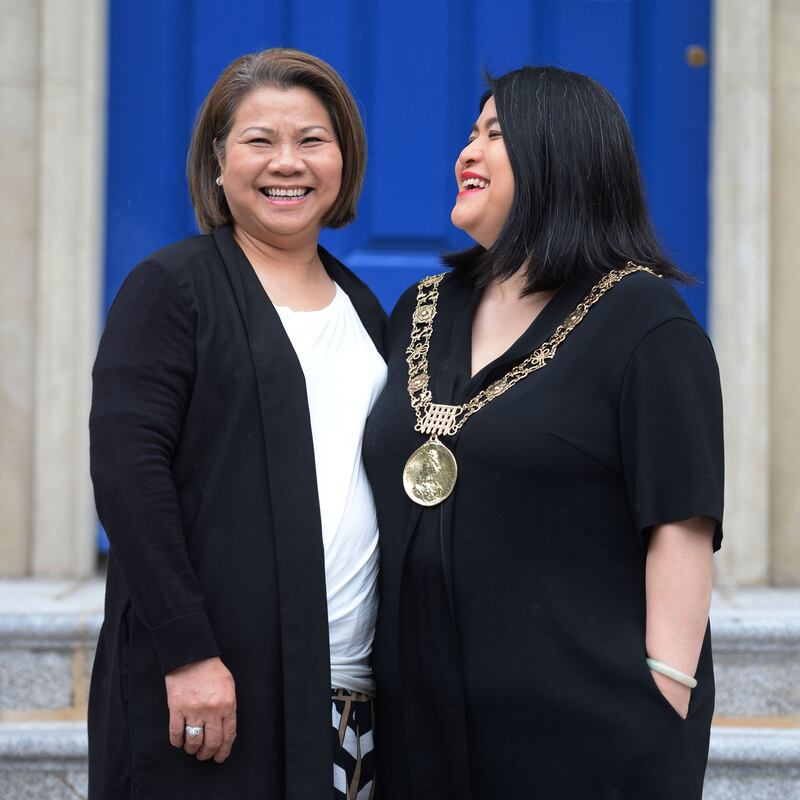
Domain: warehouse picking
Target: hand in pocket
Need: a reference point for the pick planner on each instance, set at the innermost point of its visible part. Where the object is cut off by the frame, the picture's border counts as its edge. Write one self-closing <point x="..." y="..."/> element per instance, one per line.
<point x="676" y="694"/>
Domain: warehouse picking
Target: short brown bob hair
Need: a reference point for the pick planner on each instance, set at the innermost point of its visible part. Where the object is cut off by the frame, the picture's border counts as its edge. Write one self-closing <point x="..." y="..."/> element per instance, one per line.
<point x="281" y="68"/>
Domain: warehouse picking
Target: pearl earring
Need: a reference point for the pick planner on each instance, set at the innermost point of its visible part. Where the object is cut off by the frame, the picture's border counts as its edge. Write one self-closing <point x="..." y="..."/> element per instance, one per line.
<point x="218" y="181"/>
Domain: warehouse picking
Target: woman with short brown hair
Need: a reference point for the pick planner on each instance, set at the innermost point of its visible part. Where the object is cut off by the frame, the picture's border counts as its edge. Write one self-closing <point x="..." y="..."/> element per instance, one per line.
<point x="283" y="69"/>
<point x="226" y="461"/>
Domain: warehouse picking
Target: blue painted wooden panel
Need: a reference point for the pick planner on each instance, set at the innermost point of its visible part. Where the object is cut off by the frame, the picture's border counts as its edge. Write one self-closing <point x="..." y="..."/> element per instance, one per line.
<point x="147" y="105"/>
<point x="415" y="69"/>
<point x="595" y="37"/>
<point x="671" y="124"/>
<point x="503" y="35"/>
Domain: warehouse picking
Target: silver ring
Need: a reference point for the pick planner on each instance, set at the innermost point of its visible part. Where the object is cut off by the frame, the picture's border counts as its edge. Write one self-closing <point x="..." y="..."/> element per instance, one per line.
<point x="193" y="730"/>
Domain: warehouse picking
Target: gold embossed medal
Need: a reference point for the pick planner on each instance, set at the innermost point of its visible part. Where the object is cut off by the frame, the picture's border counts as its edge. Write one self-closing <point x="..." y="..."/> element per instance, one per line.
<point x="430" y="474"/>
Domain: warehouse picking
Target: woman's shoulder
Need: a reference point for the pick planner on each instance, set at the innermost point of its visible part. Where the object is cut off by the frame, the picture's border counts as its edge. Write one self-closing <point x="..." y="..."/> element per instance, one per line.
<point x="176" y="259"/>
<point x="166" y="278"/>
<point x="187" y="254"/>
<point x="406" y="303"/>
<point x="188" y="265"/>
<point x="400" y="319"/>
<point x="642" y="301"/>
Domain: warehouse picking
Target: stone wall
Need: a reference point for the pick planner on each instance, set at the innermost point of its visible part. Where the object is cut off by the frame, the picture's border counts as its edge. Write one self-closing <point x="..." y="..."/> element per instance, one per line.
<point x="19" y="119"/>
<point x="785" y="297"/>
<point x="52" y="106"/>
<point x="755" y="205"/>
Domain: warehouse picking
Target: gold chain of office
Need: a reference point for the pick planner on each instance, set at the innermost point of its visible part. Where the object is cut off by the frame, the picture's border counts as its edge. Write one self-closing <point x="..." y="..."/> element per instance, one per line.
<point x="431" y="471"/>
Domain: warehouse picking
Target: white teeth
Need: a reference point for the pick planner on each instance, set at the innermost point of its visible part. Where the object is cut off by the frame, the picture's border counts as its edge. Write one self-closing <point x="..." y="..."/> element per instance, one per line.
<point x="468" y="183"/>
<point x="275" y="192"/>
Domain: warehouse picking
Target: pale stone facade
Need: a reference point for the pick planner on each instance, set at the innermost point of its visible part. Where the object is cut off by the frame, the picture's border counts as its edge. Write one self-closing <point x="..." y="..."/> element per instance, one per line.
<point x="755" y="208"/>
<point x="784" y="522"/>
<point x="52" y="100"/>
<point x="740" y="274"/>
<point x="19" y="115"/>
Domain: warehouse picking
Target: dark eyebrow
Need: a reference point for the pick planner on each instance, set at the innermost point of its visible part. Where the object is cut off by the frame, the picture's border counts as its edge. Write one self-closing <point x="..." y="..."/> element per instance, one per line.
<point x="489" y="122"/>
<point x="259" y="129"/>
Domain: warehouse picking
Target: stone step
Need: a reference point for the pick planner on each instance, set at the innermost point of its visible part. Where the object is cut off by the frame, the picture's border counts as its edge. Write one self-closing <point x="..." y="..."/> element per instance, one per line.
<point x="756" y="640"/>
<point x="43" y="761"/>
<point x="753" y="764"/>
<point x="48" y="632"/>
<point x="47" y="761"/>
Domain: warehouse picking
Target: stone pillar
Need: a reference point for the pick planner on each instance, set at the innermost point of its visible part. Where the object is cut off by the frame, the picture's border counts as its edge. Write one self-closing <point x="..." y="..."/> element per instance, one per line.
<point x="785" y="317"/>
<point x="53" y="121"/>
<point x="741" y="279"/>
<point x="19" y="121"/>
<point x="71" y="160"/>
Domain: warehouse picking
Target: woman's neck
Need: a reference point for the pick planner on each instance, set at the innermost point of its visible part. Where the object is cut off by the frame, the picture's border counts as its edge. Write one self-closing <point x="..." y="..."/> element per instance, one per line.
<point x="503" y="314"/>
<point x="511" y="291"/>
<point x="292" y="276"/>
<point x="299" y="256"/>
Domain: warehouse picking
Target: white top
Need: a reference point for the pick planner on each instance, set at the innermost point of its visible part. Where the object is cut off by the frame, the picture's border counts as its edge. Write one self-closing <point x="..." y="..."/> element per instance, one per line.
<point x="344" y="375"/>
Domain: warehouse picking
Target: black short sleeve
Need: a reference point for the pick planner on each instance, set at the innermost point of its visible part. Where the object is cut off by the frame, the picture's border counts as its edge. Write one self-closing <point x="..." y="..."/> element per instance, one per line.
<point x="670" y="417"/>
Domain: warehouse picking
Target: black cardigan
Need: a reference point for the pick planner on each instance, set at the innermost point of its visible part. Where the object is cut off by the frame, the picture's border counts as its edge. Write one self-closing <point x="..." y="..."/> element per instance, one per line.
<point x="203" y="468"/>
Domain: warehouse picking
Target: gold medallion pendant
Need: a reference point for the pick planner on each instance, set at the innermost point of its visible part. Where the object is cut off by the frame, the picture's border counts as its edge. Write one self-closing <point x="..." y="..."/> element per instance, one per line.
<point x="430" y="473"/>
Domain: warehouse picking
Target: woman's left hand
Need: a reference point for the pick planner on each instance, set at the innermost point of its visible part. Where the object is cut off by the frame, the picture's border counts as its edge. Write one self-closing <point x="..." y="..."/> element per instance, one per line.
<point x="677" y="694"/>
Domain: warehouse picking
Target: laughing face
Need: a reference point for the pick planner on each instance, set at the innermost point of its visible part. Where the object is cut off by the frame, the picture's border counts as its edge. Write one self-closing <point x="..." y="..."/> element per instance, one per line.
<point x="485" y="180"/>
<point x="282" y="167"/>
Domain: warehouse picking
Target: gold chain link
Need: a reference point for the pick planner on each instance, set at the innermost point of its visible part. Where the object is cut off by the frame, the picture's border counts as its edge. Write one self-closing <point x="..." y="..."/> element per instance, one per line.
<point x="422" y="328"/>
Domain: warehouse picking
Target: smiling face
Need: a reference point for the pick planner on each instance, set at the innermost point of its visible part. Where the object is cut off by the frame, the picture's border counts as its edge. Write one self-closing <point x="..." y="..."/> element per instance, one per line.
<point x="485" y="180"/>
<point x="282" y="167"/>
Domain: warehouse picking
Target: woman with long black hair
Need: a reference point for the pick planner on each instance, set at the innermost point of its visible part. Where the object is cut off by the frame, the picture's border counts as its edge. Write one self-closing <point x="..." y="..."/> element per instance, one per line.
<point x="547" y="466"/>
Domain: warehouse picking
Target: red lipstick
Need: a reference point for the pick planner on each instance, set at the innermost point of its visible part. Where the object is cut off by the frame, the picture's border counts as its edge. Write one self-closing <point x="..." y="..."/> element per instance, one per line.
<point x="466" y="174"/>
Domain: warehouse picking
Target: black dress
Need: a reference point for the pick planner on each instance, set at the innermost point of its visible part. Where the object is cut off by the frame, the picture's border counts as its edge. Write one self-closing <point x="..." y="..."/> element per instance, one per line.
<point x="510" y="652"/>
<point x="203" y="467"/>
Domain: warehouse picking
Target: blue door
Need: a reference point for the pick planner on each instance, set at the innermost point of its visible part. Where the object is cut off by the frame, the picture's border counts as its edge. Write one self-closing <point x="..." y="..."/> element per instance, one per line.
<point x="415" y="69"/>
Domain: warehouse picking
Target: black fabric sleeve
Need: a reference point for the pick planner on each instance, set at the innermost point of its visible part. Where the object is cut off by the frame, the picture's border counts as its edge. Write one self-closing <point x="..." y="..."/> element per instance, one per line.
<point x="142" y="382"/>
<point x="670" y="417"/>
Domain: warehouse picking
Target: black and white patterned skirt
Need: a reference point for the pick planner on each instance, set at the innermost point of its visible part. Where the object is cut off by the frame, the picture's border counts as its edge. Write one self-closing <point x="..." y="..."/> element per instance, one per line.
<point x="353" y="747"/>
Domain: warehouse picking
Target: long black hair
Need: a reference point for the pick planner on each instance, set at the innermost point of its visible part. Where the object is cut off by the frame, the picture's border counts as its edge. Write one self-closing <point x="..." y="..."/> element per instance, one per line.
<point x="579" y="205"/>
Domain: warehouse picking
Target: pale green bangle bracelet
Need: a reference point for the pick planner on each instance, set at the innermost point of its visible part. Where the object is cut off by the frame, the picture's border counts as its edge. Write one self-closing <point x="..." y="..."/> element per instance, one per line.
<point x="671" y="672"/>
